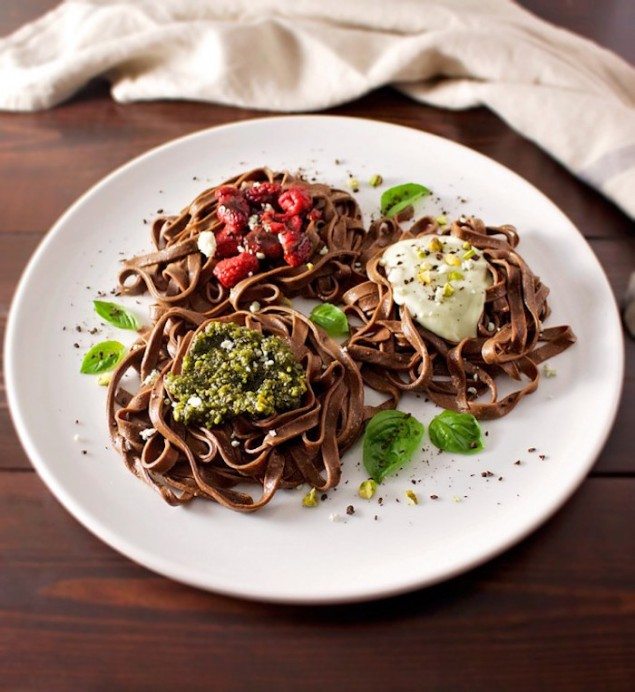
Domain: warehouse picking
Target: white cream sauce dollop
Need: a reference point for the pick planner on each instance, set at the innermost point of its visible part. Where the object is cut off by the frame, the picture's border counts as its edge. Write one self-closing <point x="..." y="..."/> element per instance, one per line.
<point x="442" y="281"/>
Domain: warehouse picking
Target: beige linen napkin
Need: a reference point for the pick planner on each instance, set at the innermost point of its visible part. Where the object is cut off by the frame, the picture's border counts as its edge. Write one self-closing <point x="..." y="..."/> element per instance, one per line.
<point x="573" y="98"/>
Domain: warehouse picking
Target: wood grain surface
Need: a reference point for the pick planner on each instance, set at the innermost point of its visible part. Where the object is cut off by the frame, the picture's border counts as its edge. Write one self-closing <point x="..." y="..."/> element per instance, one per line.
<point x="556" y="612"/>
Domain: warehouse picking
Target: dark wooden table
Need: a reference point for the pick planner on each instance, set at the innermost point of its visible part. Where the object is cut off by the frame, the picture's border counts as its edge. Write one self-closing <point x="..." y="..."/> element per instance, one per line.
<point x="557" y="611"/>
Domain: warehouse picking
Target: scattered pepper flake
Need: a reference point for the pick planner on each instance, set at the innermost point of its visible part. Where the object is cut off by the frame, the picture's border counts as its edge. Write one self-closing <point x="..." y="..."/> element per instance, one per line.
<point x="350" y="510"/>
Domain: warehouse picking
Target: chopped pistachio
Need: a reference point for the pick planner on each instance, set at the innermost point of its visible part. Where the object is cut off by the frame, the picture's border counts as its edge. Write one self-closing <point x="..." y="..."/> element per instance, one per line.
<point x="442" y="220"/>
<point x="448" y="291"/>
<point x="466" y="246"/>
<point x="455" y="276"/>
<point x="423" y="276"/>
<point x="310" y="499"/>
<point x="310" y="265"/>
<point x="469" y="254"/>
<point x="104" y="379"/>
<point x="375" y="180"/>
<point x="548" y="370"/>
<point x="411" y="497"/>
<point x="353" y="184"/>
<point x="421" y="253"/>
<point x="452" y="260"/>
<point x="435" y="245"/>
<point x="367" y="489"/>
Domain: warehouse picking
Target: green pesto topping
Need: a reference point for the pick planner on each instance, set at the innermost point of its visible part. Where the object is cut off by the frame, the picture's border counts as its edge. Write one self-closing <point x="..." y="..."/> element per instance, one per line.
<point x="231" y="370"/>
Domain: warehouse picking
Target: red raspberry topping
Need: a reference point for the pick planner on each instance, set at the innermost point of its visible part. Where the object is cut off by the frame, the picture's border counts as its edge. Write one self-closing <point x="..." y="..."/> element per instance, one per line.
<point x="233" y="208"/>
<point x="226" y="243"/>
<point x="277" y="223"/>
<point x="234" y="269"/>
<point x="295" y="200"/>
<point x="263" y="193"/>
<point x="268" y="244"/>
<point x="297" y="247"/>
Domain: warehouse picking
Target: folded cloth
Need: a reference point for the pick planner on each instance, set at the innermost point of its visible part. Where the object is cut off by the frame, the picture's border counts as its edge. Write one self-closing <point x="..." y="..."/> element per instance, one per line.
<point x="570" y="96"/>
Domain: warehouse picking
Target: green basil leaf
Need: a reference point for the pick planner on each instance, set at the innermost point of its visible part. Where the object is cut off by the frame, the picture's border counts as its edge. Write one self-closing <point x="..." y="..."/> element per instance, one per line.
<point x="102" y="357"/>
<point x="332" y="320"/>
<point x="116" y="314"/>
<point x="456" y="432"/>
<point x="390" y="440"/>
<point x="397" y="198"/>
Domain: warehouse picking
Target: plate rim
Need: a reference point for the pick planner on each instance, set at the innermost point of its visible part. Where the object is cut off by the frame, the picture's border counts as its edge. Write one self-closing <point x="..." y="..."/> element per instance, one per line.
<point x="163" y="567"/>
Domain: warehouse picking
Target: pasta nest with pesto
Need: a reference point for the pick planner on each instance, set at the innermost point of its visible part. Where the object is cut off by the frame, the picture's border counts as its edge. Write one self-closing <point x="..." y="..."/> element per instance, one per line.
<point x="183" y="461"/>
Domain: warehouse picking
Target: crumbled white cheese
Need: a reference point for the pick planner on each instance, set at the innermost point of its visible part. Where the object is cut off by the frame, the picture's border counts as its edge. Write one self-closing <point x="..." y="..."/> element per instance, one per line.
<point x="227" y="344"/>
<point x="334" y="516"/>
<point x="75" y="438"/>
<point x="254" y="307"/>
<point x="207" y="243"/>
<point x="472" y="390"/>
<point x="195" y="401"/>
<point x="260" y="255"/>
<point x="270" y="362"/>
<point x="467" y="265"/>
<point x="151" y="378"/>
<point x="491" y="326"/>
<point x="253" y="221"/>
<point x="272" y="433"/>
<point x="241" y="248"/>
<point x="147" y="433"/>
<point x="438" y="294"/>
<point x="324" y="250"/>
<point x="235" y="443"/>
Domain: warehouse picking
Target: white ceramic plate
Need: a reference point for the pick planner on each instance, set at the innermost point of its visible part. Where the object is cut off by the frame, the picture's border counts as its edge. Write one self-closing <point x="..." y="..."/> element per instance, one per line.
<point x="288" y="553"/>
